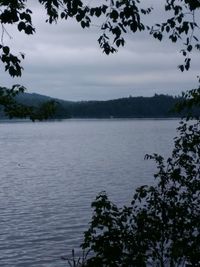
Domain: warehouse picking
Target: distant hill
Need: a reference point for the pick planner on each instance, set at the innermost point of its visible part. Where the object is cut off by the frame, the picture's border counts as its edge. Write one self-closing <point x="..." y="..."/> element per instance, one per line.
<point x="158" y="106"/>
<point x="132" y="107"/>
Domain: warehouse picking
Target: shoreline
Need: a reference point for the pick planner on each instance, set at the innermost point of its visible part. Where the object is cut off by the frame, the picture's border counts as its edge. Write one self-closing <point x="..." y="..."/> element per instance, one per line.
<point x="89" y="119"/>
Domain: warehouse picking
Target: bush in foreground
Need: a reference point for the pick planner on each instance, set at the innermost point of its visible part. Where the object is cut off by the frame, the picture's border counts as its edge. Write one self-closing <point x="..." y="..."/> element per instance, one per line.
<point x="161" y="227"/>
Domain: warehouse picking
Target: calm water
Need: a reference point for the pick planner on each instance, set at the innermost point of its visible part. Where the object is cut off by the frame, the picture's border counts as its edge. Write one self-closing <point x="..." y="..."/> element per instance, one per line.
<point x="50" y="173"/>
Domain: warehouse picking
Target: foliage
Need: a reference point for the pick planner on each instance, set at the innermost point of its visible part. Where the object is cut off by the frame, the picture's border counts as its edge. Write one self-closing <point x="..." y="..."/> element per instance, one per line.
<point x="116" y="18"/>
<point x="190" y="99"/>
<point x="14" y="109"/>
<point x="181" y="26"/>
<point x="73" y="262"/>
<point x="161" y="227"/>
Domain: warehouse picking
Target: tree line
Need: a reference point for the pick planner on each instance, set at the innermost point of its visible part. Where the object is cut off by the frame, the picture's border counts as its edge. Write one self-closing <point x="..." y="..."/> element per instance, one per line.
<point x="157" y="106"/>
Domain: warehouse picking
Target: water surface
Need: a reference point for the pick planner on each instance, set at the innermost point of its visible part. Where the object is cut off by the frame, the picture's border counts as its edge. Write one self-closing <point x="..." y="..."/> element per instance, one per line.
<point x="51" y="171"/>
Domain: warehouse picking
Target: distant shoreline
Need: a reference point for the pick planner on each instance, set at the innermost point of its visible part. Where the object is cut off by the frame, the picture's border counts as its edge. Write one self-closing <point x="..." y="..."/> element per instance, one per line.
<point x="155" y="107"/>
<point x="88" y="119"/>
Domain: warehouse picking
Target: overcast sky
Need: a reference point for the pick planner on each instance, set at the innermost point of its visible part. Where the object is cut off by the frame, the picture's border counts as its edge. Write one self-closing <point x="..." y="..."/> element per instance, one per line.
<point x="65" y="61"/>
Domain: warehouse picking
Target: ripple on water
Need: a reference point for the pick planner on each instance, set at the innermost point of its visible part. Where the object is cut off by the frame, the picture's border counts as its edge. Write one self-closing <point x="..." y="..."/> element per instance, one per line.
<point x="50" y="173"/>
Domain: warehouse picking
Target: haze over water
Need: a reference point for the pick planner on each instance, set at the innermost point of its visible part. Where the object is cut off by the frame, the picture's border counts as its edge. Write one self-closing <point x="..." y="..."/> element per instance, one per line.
<point x="50" y="173"/>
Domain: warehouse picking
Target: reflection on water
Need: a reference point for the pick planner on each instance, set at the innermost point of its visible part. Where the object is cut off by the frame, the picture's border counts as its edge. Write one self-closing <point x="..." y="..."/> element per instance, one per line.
<point x="50" y="173"/>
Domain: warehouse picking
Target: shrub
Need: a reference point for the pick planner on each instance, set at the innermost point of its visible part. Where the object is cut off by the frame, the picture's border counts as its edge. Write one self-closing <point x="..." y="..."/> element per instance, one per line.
<point x="161" y="227"/>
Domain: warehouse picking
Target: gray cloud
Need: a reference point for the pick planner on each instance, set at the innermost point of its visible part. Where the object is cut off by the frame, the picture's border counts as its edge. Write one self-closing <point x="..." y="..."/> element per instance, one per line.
<point x="65" y="61"/>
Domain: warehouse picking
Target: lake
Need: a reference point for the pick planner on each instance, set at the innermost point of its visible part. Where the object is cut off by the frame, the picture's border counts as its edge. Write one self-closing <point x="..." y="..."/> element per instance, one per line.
<point x="51" y="171"/>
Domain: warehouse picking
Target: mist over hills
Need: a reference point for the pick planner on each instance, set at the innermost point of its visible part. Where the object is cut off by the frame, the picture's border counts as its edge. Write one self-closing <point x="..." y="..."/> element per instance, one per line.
<point x="157" y="106"/>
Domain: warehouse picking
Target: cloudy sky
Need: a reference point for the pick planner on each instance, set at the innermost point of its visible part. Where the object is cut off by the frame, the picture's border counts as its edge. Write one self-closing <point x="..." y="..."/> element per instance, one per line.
<point x="65" y="61"/>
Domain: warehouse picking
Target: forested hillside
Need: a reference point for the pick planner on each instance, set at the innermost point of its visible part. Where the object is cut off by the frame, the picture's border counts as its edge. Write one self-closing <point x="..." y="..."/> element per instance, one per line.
<point x="158" y="106"/>
<point x="131" y="107"/>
